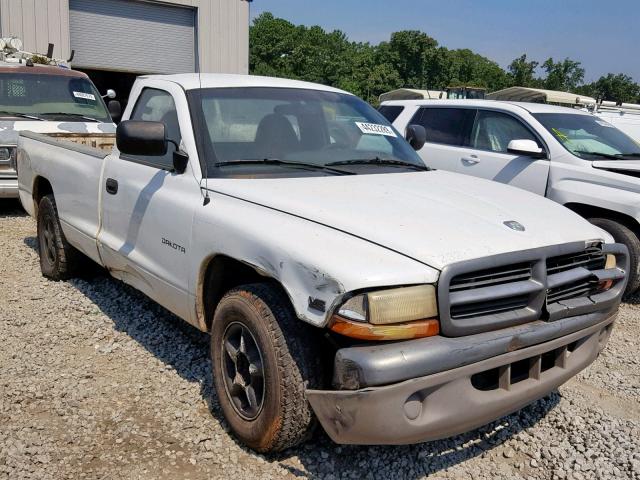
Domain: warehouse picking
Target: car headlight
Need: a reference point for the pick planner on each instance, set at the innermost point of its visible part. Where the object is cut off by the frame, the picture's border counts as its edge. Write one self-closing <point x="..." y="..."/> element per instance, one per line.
<point x="393" y="314"/>
<point x="6" y="154"/>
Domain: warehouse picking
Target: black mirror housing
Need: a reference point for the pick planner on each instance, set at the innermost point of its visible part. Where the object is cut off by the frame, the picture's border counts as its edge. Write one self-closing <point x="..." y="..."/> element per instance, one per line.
<point x="135" y="137"/>
<point x="115" y="109"/>
<point x="180" y="161"/>
<point x="416" y="135"/>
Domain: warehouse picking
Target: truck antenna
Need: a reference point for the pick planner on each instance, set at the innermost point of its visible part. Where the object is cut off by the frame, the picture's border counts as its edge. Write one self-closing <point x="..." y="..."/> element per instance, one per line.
<point x="207" y="199"/>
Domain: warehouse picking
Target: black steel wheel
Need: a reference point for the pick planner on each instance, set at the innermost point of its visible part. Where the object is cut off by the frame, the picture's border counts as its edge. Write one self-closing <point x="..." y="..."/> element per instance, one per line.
<point x="264" y="359"/>
<point x="58" y="259"/>
<point x="243" y="370"/>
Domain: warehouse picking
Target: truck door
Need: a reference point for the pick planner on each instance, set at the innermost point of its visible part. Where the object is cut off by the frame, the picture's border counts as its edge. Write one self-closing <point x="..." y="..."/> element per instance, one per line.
<point x="447" y="129"/>
<point x="148" y="211"/>
<point x="487" y="156"/>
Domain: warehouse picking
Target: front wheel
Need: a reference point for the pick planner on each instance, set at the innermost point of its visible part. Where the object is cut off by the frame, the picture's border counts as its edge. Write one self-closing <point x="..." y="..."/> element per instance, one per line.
<point x="263" y="360"/>
<point x="624" y="235"/>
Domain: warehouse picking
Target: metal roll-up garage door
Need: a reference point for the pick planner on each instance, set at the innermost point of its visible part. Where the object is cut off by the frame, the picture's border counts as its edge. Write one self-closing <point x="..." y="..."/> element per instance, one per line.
<point x="132" y="36"/>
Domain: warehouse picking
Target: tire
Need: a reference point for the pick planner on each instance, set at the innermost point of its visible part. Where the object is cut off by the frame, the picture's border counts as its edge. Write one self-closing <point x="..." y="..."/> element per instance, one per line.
<point x="58" y="259"/>
<point x="624" y="235"/>
<point x="272" y="337"/>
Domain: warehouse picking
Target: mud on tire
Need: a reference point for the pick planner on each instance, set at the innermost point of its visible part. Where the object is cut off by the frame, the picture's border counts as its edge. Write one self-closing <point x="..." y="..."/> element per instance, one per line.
<point x="254" y="328"/>
<point x="58" y="259"/>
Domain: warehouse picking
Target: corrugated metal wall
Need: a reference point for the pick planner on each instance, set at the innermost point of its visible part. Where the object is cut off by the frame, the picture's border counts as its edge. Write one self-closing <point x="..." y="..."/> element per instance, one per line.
<point x="37" y="23"/>
<point x="222" y="30"/>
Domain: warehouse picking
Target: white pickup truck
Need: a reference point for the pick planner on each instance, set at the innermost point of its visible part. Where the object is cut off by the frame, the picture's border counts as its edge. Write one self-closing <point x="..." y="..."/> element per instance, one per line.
<point x="570" y="156"/>
<point x="53" y="100"/>
<point x="339" y="278"/>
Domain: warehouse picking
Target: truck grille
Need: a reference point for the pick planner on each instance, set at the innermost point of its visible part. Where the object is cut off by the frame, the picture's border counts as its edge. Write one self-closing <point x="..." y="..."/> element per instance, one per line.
<point x="483" y="298"/>
<point x="591" y="259"/>
<point x="522" y="286"/>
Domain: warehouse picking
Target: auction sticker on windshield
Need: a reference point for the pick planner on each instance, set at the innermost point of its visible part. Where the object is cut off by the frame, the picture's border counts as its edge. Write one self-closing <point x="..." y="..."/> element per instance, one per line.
<point x="86" y="96"/>
<point x="376" y="129"/>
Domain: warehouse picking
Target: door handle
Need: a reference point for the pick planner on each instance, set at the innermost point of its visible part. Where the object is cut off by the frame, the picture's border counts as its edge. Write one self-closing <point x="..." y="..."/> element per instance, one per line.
<point x="112" y="186"/>
<point x="471" y="160"/>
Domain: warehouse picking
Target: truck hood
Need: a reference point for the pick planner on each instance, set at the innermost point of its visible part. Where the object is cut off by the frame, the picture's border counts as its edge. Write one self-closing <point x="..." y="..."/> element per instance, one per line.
<point x="10" y="130"/>
<point x="434" y="217"/>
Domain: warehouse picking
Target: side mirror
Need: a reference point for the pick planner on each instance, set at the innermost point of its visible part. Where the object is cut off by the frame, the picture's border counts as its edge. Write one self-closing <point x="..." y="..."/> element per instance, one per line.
<point x="110" y="94"/>
<point x="416" y="135"/>
<point x="135" y="137"/>
<point x="115" y="109"/>
<point x="180" y="161"/>
<point x="525" y="147"/>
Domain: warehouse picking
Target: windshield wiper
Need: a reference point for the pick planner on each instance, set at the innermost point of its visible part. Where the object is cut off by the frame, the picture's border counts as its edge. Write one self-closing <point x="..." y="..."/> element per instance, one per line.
<point x="599" y="154"/>
<point x="67" y="114"/>
<point x="632" y="155"/>
<point x="381" y="161"/>
<point x="20" y="115"/>
<point x="276" y="161"/>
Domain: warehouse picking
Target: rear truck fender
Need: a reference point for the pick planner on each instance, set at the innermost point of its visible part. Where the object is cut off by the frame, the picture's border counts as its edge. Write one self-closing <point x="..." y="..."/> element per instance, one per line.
<point x="317" y="266"/>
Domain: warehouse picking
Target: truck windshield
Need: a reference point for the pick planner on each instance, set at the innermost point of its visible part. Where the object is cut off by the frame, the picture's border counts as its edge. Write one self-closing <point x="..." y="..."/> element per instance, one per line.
<point x="50" y="97"/>
<point x="261" y="127"/>
<point x="589" y="137"/>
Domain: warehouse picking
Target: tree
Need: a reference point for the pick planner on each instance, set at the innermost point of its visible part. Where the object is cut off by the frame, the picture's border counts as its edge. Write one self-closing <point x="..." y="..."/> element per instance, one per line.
<point x="613" y="87"/>
<point x="565" y="75"/>
<point x="409" y="59"/>
<point x="522" y="71"/>
<point x="407" y="52"/>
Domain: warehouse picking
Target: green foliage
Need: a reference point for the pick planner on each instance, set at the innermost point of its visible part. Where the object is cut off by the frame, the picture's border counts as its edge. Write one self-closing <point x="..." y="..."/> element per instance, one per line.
<point x="410" y="59"/>
<point x="522" y="72"/>
<point x="565" y="75"/>
<point x="616" y="88"/>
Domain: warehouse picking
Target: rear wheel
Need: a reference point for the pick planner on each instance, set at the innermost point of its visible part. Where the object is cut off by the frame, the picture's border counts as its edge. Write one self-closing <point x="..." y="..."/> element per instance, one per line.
<point x="58" y="259"/>
<point x="263" y="361"/>
<point x="626" y="236"/>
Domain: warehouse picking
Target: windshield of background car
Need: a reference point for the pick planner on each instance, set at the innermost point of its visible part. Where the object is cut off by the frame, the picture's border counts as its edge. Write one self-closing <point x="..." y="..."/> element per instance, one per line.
<point x="589" y="137"/>
<point x="294" y="125"/>
<point x="51" y="97"/>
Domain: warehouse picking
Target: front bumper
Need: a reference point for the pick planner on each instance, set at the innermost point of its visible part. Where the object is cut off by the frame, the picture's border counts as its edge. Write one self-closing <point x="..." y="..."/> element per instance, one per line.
<point x="454" y="401"/>
<point x="9" y="188"/>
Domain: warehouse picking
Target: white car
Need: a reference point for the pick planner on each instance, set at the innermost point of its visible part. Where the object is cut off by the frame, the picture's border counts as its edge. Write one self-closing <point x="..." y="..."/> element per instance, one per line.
<point x="338" y="276"/>
<point x="567" y="155"/>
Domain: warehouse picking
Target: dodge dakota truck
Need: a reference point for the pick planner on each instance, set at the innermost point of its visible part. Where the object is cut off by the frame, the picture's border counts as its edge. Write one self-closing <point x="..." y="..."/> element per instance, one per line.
<point x="570" y="156"/>
<point x="339" y="278"/>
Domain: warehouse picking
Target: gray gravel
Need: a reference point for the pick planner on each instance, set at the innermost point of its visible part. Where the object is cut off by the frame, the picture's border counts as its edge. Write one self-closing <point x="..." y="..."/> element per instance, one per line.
<point x="98" y="382"/>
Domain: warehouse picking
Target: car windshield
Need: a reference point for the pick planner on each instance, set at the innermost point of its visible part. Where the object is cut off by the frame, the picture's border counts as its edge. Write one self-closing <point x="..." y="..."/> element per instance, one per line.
<point x="50" y="97"/>
<point x="287" y="128"/>
<point x="589" y="137"/>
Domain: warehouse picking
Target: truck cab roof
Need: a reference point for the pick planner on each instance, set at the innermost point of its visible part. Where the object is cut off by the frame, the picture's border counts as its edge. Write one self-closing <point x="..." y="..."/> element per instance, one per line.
<point x="193" y="81"/>
<point x="10" y="67"/>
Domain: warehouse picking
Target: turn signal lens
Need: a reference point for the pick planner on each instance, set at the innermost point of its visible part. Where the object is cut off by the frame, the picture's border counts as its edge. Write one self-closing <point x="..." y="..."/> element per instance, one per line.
<point x="400" y="331"/>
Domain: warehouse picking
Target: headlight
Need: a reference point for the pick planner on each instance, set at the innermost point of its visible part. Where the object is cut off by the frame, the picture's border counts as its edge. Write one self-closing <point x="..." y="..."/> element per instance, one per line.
<point x="6" y="154"/>
<point x="392" y="306"/>
<point x="393" y="314"/>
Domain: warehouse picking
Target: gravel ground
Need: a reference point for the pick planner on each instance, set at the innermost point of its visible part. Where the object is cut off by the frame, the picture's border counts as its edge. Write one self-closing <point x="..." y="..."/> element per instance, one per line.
<point x="96" y="381"/>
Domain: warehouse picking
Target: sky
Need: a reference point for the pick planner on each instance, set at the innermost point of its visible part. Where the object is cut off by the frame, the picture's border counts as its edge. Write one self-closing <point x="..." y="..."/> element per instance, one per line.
<point x="603" y="35"/>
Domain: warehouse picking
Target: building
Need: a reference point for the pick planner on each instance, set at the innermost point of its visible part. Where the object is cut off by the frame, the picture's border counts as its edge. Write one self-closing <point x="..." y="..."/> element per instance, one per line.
<point x="115" y="40"/>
